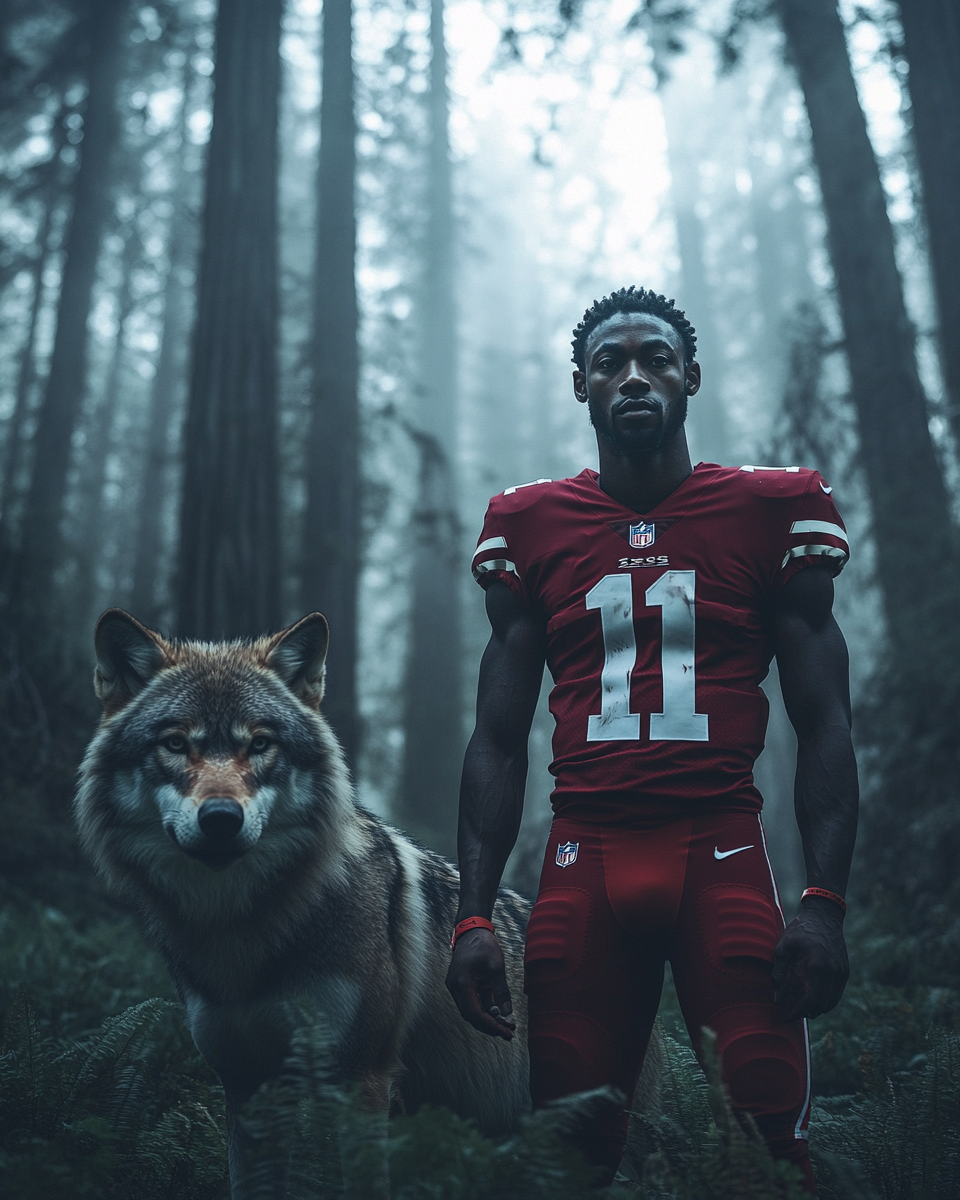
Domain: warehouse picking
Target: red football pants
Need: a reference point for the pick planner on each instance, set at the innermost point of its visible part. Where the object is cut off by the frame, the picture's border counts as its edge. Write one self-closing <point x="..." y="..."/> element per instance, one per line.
<point x="699" y="893"/>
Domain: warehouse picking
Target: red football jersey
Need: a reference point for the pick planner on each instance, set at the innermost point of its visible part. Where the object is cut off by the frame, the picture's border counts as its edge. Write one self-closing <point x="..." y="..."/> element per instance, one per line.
<point x="658" y="630"/>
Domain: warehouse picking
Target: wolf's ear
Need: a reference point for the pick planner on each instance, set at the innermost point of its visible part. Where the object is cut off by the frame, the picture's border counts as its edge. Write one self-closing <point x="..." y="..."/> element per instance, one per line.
<point x="298" y="655"/>
<point x="128" y="657"/>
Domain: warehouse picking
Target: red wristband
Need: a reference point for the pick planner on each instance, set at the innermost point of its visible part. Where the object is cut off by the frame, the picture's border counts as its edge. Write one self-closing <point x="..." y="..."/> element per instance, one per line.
<point x="826" y="895"/>
<point x="469" y="923"/>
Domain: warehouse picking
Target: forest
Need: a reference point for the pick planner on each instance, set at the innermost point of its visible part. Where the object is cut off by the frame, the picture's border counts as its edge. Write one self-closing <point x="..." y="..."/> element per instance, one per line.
<point x="286" y="293"/>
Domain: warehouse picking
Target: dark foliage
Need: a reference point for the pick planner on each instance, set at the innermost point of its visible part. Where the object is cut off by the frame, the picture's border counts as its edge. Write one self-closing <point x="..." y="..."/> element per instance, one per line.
<point x="911" y="834"/>
<point x="102" y="1094"/>
<point x="127" y="1110"/>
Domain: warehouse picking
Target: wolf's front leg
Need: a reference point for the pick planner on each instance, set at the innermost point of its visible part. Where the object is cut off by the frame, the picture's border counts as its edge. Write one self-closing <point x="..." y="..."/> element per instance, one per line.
<point x="252" y="1173"/>
<point x="247" y="1045"/>
<point x="363" y="1139"/>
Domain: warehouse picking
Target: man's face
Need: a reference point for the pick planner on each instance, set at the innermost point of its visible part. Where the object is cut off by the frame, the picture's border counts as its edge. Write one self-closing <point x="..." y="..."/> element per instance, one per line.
<point x="635" y="383"/>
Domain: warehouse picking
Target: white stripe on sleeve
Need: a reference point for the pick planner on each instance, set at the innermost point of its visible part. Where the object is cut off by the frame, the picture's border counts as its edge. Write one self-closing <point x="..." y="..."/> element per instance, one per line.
<point x="494" y="543"/>
<point x="517" y="486"/>
<point x="495" y="564"/>
<point x="828" y="527"/>
<point x="814" y="552"/>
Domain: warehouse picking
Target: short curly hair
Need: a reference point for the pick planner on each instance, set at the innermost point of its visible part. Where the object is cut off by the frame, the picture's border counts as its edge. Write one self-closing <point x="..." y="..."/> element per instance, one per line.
<point x="629" y="300"/>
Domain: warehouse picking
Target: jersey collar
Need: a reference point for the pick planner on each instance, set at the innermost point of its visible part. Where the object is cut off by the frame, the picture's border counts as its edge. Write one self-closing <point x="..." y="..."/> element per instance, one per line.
<point x="671" y="507"/>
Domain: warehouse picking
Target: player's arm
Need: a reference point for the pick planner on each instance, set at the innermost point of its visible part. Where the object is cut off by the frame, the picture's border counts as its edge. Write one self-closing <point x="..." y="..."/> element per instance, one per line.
<point x="810" y="967"/>
<point x="491" y="799"/>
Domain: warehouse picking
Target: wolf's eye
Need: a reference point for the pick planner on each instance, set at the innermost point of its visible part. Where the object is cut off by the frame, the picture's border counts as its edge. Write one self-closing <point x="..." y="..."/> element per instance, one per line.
<point x="175" y="744"/>
<point x="259" y="744"/>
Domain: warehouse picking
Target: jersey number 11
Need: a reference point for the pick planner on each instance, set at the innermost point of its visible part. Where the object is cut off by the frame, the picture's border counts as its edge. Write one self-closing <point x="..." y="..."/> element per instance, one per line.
<point x="674" y="593"/>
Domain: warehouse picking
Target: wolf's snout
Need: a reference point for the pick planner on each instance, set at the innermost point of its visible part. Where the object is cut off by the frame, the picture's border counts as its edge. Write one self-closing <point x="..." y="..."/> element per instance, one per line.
<point x="220" y="819"/>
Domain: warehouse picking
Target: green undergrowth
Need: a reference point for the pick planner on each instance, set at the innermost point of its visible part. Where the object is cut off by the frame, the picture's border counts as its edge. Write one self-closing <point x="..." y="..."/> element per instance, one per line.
<point x="102" y="1094"/>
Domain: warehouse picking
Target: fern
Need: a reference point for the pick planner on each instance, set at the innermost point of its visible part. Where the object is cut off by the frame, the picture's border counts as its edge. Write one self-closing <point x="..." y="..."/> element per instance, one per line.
<point x="903" y="1128"/>
<point x="699" y="1148"/>
<point x="106" y="1098"/>
<point x="435" y="1154"/>
<point x="93" y="1065"/>
<point x="88" y="1116"/>
<point x="21" y="1081"/>
<point x="290" y="1124"/>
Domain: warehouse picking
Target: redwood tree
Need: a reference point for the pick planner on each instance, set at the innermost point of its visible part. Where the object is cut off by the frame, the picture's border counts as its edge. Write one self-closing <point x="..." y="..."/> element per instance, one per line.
<point x="166" y="398"/>
<point x="708" y="415"/>
<point x="100" y="427"/>
<point x="330" y="559"/>
<point x="433" y="752"/>
<point x="229" y="564"/>
<point x="166" y="393"/>
<point x="914" y="536"/>
<point x="40" y="540"/>
<point x="26" y="377"/>
<point x="931" y="41"/>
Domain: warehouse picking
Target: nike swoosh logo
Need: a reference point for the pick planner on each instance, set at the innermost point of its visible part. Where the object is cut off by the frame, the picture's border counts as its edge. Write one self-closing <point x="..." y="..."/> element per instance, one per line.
<point x="828" y="490"/>
<point x="718" y="853"/>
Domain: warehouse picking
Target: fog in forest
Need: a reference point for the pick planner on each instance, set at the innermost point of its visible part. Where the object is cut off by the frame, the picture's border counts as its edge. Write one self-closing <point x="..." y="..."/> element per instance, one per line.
<point x="287" y="293"/>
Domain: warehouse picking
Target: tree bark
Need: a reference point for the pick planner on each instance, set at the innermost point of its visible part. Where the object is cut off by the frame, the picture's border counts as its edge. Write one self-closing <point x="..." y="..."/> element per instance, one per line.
<point x="26" y="376"/>
<point x="931" y="38"/>
<point x="708" y="416"/>
<point x="166" y="392"/>
<point x="100" y="429"/>
<point x="165" y="403"/>
<point x="433" y="752"/>
<point x="331" y="535"/>
<point x="229" y="567"/>
<point x="784" y="283"/>
<point x="913" y="532"/>
<point x="41" y="537"/>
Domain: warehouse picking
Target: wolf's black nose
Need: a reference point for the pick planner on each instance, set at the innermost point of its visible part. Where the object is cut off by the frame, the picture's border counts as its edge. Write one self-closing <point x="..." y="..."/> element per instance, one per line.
<point x="220" y="820"/>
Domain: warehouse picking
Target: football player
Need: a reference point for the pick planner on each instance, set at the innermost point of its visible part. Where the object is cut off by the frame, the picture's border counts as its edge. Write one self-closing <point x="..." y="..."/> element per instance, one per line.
<point x="658" y="593"/>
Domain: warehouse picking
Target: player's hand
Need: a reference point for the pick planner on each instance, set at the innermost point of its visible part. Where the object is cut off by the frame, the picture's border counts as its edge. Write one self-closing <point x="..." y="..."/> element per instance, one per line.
<point x="810" y="968"/>
<point x="477" y="980"/>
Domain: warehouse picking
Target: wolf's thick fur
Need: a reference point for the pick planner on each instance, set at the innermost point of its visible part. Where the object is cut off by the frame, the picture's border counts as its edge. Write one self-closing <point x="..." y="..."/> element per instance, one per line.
<point x="215" y="798"/>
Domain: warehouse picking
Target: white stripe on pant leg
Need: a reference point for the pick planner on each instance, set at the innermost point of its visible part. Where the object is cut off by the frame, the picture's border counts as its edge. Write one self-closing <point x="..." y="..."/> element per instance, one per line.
<point x="805" y="1111"/>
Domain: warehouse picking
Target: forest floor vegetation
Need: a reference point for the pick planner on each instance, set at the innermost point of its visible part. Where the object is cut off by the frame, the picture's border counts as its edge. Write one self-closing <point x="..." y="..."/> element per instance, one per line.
<point x="102" y="1094"/>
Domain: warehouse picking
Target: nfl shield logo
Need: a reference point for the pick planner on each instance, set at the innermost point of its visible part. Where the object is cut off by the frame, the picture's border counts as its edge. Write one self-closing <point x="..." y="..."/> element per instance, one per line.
<point x="567" y="853"/>
<point x="642" y="535"/>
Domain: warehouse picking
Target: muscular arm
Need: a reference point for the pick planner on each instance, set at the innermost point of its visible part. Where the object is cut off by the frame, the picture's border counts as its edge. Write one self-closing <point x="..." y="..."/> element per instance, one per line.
<point x="491" y="799"/>
<point x="810" y="967"/>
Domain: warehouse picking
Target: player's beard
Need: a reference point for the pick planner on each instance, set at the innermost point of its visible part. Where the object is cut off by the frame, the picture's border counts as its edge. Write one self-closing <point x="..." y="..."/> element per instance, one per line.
<point x="640" y="441"/>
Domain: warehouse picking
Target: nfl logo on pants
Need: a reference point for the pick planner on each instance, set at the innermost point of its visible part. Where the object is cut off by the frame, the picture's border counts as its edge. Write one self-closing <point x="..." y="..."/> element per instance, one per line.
<point x="567" y="853"/>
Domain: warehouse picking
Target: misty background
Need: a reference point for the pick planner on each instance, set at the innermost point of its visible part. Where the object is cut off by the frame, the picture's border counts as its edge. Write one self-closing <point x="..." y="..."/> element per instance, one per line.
<point x="286" y="294"/>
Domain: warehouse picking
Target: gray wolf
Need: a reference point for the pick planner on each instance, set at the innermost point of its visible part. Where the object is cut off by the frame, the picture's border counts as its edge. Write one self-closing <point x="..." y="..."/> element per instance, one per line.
<point x="214" y="797"/>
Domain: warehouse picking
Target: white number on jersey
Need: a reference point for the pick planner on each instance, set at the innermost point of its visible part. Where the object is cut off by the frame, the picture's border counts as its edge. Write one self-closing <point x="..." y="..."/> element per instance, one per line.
<point x="674" y="593"/>
<point x="613" y="595"/>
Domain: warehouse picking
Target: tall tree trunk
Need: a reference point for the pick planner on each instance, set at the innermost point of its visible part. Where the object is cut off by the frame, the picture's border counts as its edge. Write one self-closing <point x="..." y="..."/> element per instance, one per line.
<point x="165" y="393"/>
<point x="784" y="282"/>
<point x="40" y="542"/>
<point x="165" y="402"/>
<point x="99" y="441"/>
<point x="914" y="537"/>
<point x="26" y="376"/>
<point x="331" y="534"/>
<point x="433" y="753"/>
<point x="931" y="37"/>
<point x="12" y="66"/>
<point x="708" y="414"/>
<point x="229" y="568"/>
